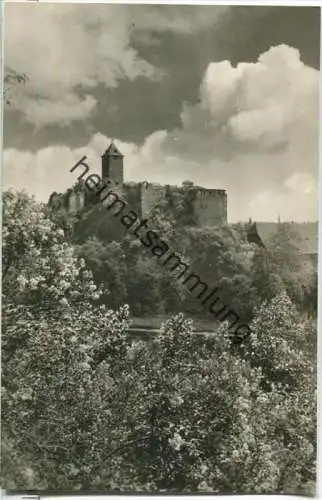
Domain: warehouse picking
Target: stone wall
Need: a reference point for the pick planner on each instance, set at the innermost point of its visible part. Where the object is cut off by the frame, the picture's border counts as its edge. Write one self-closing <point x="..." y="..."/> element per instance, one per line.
<point x="132" y="192"/>
<point x="207" y="207"/>
<point x="210" y="207"/>
<point x="151" y="195"/>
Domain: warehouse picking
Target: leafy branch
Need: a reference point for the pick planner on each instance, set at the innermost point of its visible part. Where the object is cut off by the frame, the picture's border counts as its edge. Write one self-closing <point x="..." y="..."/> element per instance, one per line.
<point x="11" y="79"/>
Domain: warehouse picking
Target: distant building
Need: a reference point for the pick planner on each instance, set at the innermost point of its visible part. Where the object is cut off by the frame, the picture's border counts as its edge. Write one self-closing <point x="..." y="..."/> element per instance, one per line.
<point x="304" y="236"/>
<point x="209" y="206"/>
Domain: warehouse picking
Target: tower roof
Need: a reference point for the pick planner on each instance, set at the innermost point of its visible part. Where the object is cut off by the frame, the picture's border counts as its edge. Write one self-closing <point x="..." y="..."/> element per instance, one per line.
<point x="112" y="151"/>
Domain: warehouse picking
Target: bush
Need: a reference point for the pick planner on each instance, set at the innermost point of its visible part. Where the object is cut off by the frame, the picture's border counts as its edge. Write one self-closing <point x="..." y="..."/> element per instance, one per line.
<point x="83" y="408"/>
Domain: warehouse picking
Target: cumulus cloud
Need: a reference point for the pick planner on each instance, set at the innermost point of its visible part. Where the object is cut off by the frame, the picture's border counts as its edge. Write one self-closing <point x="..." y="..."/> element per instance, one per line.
<point x="257" y="104"/>
<point x="254" y="132"/>
<point x="65" y="47"/>
<point x="45" y="111"/>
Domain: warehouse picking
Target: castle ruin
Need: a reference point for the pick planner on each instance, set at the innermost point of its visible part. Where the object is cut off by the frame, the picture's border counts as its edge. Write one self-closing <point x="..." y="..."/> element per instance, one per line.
<point x="208" y="206"/>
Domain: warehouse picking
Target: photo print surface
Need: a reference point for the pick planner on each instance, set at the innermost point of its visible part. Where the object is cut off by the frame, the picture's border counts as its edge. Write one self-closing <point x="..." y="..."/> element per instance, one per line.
<point x="159" y="248"/>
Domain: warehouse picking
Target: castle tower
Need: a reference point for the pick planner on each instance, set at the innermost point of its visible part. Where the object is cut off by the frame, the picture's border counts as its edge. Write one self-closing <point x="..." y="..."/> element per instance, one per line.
<point x="112" y="165"/>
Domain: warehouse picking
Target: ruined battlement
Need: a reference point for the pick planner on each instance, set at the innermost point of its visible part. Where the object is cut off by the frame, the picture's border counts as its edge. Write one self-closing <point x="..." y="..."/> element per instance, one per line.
<point x="207" y="207"/>
<point x="151" y="195"/>
<point x="210" y="207"/>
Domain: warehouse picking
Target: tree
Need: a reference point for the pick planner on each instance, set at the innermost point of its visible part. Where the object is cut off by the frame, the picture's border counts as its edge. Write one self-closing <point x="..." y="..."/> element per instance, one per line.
<point x="281" y="266"/>
<point x="284" y="348"/>
<point x="58" y="414"/>
<point x="40" y="268"/>
<point x="83" y="408"/>
<point x="60" y="355"/>
<point x="108" y="264"/>
<point x="222" y="259"/>
<point x="11" y="79"/>
<point x="144" y="287"/>
<point x="207" y="420"/>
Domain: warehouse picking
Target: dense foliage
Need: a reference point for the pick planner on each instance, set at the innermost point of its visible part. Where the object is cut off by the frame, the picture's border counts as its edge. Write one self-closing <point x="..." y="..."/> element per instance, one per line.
<point x="222" y="257"/>
<point x="83" y="407"/>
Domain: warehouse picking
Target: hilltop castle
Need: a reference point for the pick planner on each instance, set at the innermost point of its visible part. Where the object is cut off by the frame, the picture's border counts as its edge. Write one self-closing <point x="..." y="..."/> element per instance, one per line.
<point x="208" y="206"/>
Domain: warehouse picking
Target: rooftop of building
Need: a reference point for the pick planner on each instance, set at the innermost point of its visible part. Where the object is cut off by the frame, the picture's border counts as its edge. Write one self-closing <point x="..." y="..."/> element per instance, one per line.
<point x="307" y="241"/>
<point x="112" y="150"/>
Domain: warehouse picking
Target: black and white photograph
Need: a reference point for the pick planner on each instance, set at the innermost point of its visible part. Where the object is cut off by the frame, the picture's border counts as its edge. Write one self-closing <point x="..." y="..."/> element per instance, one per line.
<point x="159" y="248"/>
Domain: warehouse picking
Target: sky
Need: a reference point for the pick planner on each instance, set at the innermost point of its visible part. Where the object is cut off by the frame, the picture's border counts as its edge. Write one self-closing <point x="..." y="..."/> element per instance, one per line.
<point x="224" y="96"/>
